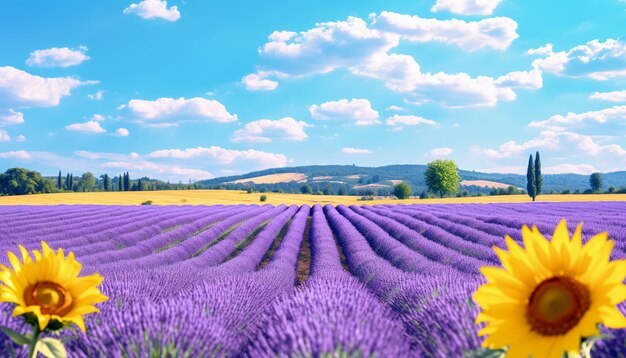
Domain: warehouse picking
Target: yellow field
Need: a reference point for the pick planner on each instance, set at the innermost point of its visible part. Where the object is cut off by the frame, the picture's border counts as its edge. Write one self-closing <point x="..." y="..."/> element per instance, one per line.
<point x="211" y="197"/>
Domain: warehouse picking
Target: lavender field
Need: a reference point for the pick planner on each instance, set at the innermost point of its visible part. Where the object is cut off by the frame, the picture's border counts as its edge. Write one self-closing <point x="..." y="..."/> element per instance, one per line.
<point x="265" y="281"/>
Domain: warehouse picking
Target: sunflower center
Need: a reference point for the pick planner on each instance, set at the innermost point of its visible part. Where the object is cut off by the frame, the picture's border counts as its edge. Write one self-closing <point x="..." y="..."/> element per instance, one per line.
<point x="51" y="297"/>
<point x="557" y="305"/>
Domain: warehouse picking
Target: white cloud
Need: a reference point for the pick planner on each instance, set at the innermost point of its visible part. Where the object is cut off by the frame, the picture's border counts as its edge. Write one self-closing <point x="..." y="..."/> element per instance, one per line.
<point x="87" y="127"/>
<point x="103" y="155"/>
<point x="402" y="74"/>
<point x="559" y="122"/>
<point x="57" y="57"/>
<point x="17" y="154"/>
<point x="256" y="158"/>
<point x="96" y="96"/>
<point x="546" y="139"/>
<point x="355" y="151"/>
<point x="266" y="130"/>
<point x="121" y="132"/>
<point x="408" y="120"/>
<point x="364" y="51"/>
<point x="466" y="7"/>
<point x="588" y="145"/>
<point x="615" y="96"/>
<point x="154" y="9"/>
<point x="439" y="152"/>
<point x="257" y="82"/>
<point x="521" y="79"/>
<point x="359" y="110"/>
<point x="159" y="170"/>
<point x="546" y="49"/>
<point x="20" y="138"/>
<point x="595" y="59"/>
<point x="497" y="32"/>
<point x="4" y="136"/>
<point x="396" y="108"/>
<point x="583" y="169"/>
<point x="328" y="46"/>
<point x="98" y="117"/>
<point x="11" y="117"/>
<point x="19" y="88"/>
<point x="192" y="108"/>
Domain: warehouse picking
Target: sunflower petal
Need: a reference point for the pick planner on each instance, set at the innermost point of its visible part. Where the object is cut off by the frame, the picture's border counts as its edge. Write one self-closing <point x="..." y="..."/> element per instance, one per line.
<point x="612" y="317"/>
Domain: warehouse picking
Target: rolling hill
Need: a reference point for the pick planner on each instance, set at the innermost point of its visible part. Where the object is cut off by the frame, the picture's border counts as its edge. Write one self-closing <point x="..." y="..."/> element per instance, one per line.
<point x="355" y="178"/>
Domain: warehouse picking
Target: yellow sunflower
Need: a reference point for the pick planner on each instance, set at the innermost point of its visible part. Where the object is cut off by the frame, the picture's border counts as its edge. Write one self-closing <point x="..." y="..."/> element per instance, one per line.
<point x="550" y="294"/>
<point x="49" y="288"/>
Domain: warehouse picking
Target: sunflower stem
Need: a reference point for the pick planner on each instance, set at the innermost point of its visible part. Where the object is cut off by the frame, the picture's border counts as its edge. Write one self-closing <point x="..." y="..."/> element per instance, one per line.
<point x="32" y="350"/>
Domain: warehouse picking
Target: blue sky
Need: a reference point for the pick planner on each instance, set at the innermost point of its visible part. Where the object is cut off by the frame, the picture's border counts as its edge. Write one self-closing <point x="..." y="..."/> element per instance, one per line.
<point x="192" y="90"/>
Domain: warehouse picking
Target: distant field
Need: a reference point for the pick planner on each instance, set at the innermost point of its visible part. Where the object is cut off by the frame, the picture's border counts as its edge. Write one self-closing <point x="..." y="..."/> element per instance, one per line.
<point x="211" y="197"/>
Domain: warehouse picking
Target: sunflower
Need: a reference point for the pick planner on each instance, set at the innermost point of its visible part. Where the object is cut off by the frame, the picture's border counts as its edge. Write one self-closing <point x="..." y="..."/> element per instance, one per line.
<point x="48" y="290"/>
<point x="550" y="294"/>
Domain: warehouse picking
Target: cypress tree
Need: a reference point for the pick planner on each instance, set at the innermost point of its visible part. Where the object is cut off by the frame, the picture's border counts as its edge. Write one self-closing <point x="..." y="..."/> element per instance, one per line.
<point x="59" y="181"/>
<point x="106" y="182"/>
<point x="530" y="178"/>
<point x="538" y="176"/>
<point x="67" y="181"/>
<point x="139" y="185"/>
<point x="71" y="182"/>
<point x="119" y="182"/>
<point x="126" y="182"/>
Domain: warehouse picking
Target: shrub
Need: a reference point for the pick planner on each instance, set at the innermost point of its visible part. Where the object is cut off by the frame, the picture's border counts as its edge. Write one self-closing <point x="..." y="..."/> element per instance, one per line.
<point x="402" y="190"/>
<point x="263" y="197"/>
<point x="149" y="202"/>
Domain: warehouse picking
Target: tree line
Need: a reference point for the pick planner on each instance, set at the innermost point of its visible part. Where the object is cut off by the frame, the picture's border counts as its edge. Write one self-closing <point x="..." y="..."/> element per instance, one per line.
<point x="21" y="181"/>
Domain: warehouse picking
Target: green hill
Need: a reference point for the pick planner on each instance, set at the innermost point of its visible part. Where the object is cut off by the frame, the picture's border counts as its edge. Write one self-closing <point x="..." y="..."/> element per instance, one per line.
<point x="361" y="180"/>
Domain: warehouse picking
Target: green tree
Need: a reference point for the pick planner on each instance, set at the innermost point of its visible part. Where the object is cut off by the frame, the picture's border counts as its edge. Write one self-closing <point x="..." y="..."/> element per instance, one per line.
<point x="60" y="181"/>
<point x="20" y="181"/>
<point x="87" y="182"/>
<point x="71" y="182"/>
<point x="402" y="190"/>
<point x="530" y="179"/>
<point x="442" y="177"/>
<point x="306" y="189"/>
<point x="106" y="182"/>
<point x="595" y="181"/>
<point x="538" y="176"/>
<point x="119" y="183"/>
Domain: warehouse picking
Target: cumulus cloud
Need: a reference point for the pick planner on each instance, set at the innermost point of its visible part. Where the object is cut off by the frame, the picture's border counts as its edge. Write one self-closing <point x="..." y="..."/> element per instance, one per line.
<point x="96" y="96"/>
<point x="466" y="7"/>
<point x="497" y="32"/>
<point x="15" y="154"/>
<point x="121" y="132"/>
<point x="615" y="96"/>
<point x="396" y="108"/>
<point x="266" y="130"/>
<point x="104" y="155"/>
<point x="57" y="57"/>
<point x="257" y="82"/>
<point x="546" y="139"/>
<point x="11" y="117"/>
<point x="154" y="9"/>
<point x="159" y="170"/>
<point x="365" y="51"/>
<point x="409" y="120"/>
<point x="587" y="144"/>
<point x="439" y="152"/>
<point x="595" y="59"/>
<point x="582" y="169"/>
<point x="4" y="136"/>
<point x="87" y="127"/>
<point x="181" y="108"/>
<point x="355" y="151"/>
<point x="20" y="138"/>
<point x="559" y="122"/>
<point x="357" y="109"/>
<point x="255" y="158"/>
<point x="21" y="89"/>
<point x="521" y="79"/>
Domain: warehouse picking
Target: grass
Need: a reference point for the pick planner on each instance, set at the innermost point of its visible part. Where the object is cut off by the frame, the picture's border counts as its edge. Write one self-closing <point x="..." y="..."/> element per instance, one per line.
<point x="212" y="197"/>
